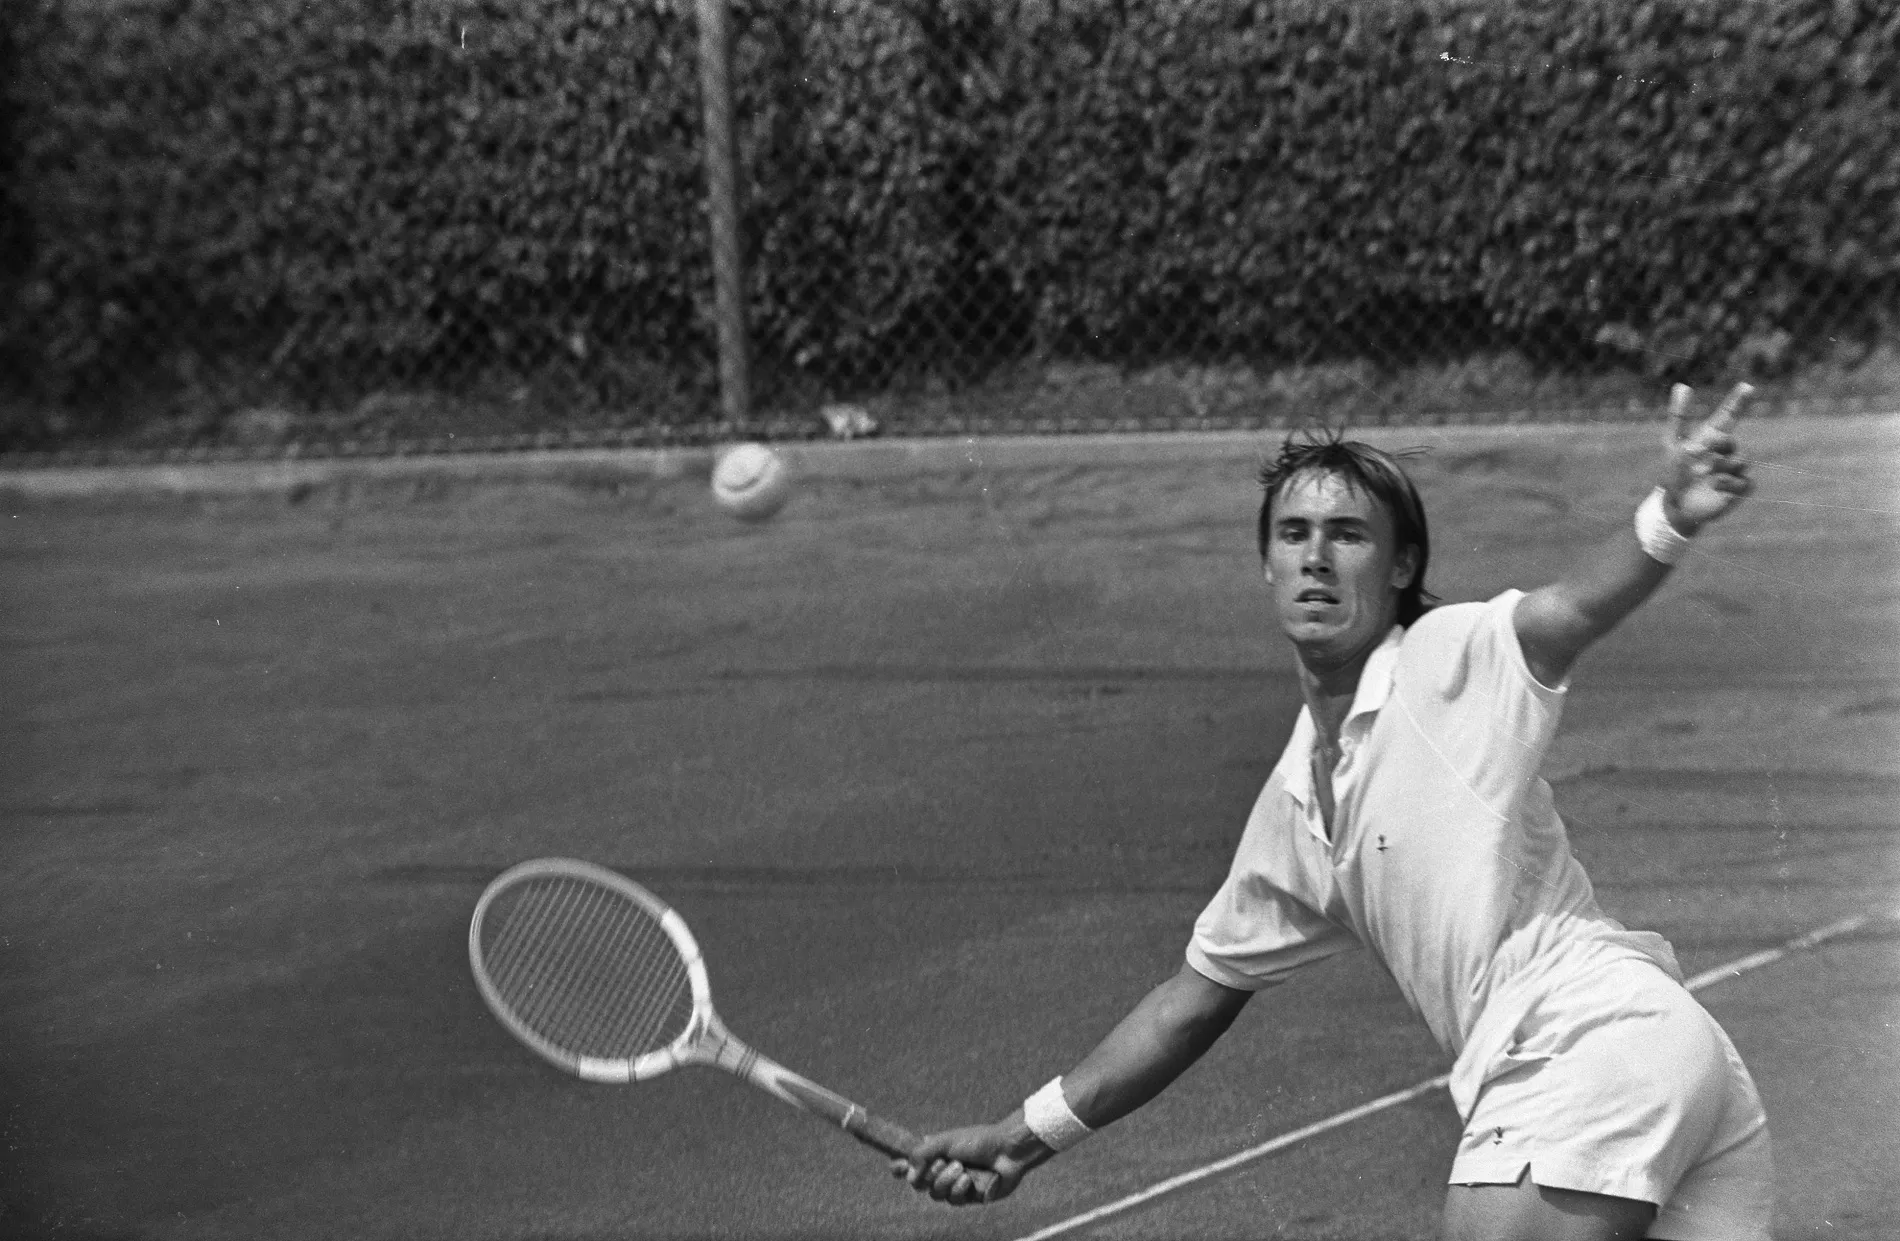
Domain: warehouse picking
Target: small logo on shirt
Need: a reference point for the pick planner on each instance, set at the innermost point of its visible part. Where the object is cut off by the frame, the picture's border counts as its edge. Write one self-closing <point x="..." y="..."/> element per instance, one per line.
<point x="1381" y="845"/>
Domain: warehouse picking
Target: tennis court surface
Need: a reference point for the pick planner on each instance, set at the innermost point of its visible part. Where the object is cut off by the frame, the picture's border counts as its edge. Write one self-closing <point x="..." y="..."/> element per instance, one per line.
<point x="938" y="765"/>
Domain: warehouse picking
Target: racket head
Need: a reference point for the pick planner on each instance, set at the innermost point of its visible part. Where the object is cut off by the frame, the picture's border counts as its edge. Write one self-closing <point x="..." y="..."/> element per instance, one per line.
<point x="591" y="971"/>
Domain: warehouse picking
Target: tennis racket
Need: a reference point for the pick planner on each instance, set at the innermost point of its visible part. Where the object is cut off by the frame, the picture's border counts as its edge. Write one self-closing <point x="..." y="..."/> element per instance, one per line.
<point x="601" y="978"/>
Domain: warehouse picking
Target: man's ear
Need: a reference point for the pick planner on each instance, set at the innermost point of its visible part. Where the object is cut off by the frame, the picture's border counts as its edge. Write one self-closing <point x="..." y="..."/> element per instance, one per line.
<point x="1405" y="567"/>
<point x="1266" y="570"/>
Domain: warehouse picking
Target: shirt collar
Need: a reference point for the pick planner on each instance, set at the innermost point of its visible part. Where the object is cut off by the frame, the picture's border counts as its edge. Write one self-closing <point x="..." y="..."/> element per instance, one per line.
<point x="1295" y="768"/>
<point x="1375" y="679"/>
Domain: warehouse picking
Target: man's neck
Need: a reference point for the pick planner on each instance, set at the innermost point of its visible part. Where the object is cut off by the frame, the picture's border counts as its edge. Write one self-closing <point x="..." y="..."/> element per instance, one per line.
<point x="1329" y="684"/>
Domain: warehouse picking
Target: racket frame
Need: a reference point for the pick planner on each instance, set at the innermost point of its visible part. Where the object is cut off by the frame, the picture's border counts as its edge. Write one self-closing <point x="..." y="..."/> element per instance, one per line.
<point x="704" y="1041"/>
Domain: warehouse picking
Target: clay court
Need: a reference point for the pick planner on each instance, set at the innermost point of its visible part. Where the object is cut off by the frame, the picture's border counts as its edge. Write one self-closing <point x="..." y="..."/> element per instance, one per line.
<point x="939" y="764"/>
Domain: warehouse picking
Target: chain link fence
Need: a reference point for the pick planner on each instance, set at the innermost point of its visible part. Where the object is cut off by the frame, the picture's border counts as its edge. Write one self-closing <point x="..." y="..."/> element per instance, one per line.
<point x="1172" y="213"/>
<point x="469" y="223"/>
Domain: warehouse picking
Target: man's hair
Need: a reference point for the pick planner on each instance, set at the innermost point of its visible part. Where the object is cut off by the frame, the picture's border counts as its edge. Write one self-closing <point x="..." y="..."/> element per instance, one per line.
<point x="1361" y="467"/>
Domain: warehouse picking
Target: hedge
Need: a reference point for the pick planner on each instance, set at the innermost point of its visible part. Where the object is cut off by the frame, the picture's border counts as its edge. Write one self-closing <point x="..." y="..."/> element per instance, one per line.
<point x="330" y="195"/>
<point x="354" y="186"/>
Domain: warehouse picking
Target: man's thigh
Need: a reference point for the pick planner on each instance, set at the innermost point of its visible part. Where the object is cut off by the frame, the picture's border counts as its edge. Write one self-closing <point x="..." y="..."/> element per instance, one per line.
<point x="1530" y="1212"/>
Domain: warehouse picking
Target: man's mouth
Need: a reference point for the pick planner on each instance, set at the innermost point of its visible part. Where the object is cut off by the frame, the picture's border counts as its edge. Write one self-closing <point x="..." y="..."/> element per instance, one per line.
<point x="1316" y="596"/>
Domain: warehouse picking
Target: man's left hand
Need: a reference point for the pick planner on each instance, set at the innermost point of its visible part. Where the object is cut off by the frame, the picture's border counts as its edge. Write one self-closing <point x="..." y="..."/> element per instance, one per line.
<point x="1703" y="475"/>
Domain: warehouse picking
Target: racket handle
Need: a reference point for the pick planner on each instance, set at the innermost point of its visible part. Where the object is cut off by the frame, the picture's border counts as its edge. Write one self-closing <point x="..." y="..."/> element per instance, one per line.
<point x="769" y="1075"/>
<point x="874" y="1131"/>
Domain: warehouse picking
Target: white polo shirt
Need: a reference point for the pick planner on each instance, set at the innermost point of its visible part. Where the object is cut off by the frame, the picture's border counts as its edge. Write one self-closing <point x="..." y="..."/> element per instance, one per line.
<point x="1448" y="860"/>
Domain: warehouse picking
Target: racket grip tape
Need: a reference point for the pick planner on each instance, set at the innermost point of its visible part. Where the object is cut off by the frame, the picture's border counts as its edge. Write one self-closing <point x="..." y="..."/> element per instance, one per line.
<point x="893" y="1140"/>
<point x="874" y="1131"/>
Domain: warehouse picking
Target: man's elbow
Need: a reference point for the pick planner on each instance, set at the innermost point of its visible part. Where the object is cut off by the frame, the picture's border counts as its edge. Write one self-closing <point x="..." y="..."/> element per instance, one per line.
<point x="1556" y="628"/>
<point x="1196" y="1010"/>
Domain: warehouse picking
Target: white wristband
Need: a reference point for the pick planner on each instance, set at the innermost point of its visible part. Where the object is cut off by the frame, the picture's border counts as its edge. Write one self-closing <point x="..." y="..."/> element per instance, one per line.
<point x="1661" y="541"/>
<point x="1048" y="1116"/>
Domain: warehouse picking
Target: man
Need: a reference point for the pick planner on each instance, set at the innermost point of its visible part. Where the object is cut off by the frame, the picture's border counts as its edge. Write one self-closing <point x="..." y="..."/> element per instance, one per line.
<point x="1406" y="815"/>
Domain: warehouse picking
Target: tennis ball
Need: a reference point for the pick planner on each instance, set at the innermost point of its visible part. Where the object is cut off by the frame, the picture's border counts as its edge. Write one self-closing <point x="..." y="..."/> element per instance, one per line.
<point x="751" y="482"/>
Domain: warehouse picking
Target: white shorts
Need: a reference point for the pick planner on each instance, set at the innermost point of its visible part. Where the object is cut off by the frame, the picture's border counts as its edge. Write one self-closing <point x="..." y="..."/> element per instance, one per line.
<point x="1619" y="1083"/>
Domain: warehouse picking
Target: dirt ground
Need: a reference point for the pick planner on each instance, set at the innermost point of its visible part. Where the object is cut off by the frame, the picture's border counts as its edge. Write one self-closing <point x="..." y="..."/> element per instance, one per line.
<point x="940" y="766"/>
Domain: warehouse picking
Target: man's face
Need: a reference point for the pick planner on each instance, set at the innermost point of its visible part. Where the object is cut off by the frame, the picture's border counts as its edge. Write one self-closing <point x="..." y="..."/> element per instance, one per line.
<point x="1334" y="571"/>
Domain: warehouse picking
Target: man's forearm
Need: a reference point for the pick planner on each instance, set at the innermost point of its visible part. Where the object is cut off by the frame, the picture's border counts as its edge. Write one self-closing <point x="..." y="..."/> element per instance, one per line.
<point x="1609" y="584"/>
<point x="1702" y="479"/>
<point x="1555" y="623"/>
<point x="1168" y="1031"/>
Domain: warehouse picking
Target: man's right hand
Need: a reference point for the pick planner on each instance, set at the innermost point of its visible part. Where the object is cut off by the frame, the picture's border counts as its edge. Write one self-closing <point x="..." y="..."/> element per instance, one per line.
<point x="1147" y="1049"/>
<point x="943" y="1163"/>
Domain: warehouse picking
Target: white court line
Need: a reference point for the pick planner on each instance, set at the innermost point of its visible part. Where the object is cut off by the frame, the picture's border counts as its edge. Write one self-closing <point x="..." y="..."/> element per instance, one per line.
<point x="1707" y="978"/>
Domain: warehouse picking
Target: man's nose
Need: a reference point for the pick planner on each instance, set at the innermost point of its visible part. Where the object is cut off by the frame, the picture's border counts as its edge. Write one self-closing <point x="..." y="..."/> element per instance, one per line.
<point x="1318" y="557"/>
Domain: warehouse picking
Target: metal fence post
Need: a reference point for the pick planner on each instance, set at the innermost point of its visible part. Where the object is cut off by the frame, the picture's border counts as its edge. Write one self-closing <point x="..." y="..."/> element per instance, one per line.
<point x="722" y="202"/>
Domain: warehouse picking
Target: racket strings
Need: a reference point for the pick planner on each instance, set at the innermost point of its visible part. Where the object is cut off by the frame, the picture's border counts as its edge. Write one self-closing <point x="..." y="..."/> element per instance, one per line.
<point x="594" y="973"/>
<point x="631" y="1014"/>
<point x="587" y="969"/>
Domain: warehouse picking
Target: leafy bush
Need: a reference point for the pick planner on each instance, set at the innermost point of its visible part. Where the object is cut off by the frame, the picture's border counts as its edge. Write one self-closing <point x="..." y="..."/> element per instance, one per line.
<point x="1310" y="176"/>
<point x="362" y="186"/>
<point x="373" y="192"/>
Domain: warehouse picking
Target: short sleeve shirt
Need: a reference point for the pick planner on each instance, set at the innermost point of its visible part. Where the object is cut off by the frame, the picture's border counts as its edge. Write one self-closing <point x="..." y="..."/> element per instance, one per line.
<point x="1447" y="858"/>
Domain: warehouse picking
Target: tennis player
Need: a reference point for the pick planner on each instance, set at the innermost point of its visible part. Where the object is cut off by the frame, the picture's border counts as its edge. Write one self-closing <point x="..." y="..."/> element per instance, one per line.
<point x="1406" y="816"/>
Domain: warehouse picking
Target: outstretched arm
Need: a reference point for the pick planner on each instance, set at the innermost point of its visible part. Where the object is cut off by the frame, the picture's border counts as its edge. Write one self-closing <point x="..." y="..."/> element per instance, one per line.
<point x="1702" y="478"/>
<point x="1154" y="1044"/>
